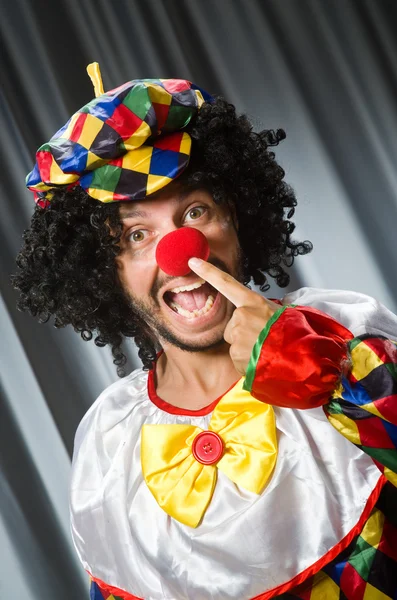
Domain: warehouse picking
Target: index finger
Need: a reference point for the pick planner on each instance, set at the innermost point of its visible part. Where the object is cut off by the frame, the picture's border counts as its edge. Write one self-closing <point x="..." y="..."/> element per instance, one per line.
<point x="229" y="287"/>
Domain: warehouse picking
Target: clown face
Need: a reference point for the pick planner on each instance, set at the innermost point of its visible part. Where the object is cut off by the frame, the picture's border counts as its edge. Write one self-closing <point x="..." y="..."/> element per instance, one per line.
<point x="183" y="311"/>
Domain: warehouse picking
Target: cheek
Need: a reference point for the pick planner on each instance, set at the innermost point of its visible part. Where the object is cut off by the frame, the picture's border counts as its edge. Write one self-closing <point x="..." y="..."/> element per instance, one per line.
<point x="136" y="277"/>
<point x="222" y="237"/>
<point x="229" y="230"/>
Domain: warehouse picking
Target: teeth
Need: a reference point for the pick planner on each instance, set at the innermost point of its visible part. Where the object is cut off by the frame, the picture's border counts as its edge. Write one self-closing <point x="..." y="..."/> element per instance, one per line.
<point x="187" y="288"/>
<point x="195" y="313"/>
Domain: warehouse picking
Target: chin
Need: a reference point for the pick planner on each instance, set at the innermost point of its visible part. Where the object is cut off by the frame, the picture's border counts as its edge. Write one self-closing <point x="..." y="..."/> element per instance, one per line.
<point x="194" y="343"/>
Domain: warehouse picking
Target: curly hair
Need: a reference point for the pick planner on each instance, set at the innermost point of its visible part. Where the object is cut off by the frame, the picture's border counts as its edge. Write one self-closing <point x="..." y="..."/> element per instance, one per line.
<point x="67" y="265"/>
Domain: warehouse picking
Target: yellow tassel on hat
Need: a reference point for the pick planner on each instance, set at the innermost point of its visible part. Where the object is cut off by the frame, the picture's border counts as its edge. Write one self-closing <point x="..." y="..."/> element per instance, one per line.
<point x="94" y="73"/>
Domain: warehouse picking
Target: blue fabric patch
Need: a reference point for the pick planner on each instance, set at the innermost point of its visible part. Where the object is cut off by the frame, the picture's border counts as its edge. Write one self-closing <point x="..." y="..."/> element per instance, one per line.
<point x="357" y="395"/>
<point x="104" y="107"/>
<point x="164" y="162"/>
<point x="391" y="431"/>
<point x="60" y="131"/>
<point x="95" y="592"/>
<point x="207" y="97"/>
<point x="70" y="156"/>
<point x="34" y="176"/>
<point x="85" y="180"/>
<point x="335" y="571"/>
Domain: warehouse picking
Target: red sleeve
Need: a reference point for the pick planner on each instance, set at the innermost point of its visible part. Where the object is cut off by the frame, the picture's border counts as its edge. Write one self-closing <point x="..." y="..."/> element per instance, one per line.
<point x="298" y="359"/>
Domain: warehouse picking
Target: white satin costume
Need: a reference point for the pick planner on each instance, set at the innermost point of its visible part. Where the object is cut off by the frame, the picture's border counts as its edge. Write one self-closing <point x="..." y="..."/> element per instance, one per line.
<point x="246" y="543"/>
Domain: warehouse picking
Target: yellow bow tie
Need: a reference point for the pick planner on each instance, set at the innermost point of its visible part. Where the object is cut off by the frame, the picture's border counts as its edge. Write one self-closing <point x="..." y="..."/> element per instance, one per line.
<point x="171" y="455"/>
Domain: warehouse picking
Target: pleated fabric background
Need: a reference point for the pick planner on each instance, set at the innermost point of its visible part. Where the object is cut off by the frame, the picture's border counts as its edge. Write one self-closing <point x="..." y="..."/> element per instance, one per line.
<point x="324" y="71"/>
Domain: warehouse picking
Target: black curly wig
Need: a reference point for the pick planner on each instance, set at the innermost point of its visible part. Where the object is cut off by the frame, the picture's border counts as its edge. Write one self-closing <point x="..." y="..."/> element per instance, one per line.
<point x="67" y="265"/>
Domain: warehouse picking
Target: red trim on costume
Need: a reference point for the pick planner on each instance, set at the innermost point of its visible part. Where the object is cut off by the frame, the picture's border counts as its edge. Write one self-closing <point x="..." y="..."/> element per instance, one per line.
<point x="104" y="587"/>
<point x="177" y="410"/>
<point x="333" y="552"/>
<point x="301" y="577"/>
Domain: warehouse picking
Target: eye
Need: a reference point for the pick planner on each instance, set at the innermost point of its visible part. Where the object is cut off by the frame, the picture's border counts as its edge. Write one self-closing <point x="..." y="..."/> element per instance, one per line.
<point x="196" y="212"/>
<point x="137" y="235"/>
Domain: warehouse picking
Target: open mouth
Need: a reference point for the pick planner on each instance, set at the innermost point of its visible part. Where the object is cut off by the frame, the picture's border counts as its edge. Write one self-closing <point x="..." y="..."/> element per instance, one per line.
<point x="191" y="301"/>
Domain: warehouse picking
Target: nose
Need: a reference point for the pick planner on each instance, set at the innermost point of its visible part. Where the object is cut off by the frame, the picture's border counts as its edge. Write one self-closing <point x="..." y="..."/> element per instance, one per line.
<point x="174" y="250"/>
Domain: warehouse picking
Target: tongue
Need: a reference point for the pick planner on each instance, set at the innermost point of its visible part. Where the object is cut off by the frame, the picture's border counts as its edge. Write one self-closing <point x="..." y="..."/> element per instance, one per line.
<point x="192" y="300"/>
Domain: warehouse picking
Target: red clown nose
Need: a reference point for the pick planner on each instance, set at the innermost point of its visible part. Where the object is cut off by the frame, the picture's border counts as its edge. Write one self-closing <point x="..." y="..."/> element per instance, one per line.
<point x="177" y="247"/>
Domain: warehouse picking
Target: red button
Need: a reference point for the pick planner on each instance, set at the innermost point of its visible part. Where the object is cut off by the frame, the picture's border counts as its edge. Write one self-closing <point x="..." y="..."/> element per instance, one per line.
<point x="207" y="447"/>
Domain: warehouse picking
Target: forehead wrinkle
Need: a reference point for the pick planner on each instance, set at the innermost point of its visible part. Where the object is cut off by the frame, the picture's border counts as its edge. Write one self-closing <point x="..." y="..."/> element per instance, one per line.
<point x="142" y="214"/>
<point x="134" y="213"/>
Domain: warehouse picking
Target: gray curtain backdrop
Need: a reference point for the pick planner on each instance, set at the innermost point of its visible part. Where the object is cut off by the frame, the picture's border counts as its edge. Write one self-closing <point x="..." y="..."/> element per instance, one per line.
<point x="326" y="71"/>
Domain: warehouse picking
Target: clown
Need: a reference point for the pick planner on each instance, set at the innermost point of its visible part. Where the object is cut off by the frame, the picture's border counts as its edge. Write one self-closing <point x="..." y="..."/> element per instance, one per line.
<point x="254" y="454"/>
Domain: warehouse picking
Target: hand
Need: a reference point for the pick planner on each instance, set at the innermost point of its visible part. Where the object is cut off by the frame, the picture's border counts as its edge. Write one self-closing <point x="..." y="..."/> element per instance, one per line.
<point x="250" y="316"/>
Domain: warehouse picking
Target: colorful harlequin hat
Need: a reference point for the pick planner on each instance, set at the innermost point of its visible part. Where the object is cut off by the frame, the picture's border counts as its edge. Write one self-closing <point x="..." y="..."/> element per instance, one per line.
<point x="124" y="145"/>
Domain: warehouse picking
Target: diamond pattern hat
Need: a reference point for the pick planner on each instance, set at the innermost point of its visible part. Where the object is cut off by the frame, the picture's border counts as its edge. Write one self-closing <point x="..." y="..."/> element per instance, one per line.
<point x="124" y="145"/>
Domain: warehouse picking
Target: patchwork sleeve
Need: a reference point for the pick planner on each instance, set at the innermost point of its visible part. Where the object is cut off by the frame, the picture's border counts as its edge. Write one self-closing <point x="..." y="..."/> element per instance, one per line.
<point x="363" y="407"/>
<point x="304" y="358"/>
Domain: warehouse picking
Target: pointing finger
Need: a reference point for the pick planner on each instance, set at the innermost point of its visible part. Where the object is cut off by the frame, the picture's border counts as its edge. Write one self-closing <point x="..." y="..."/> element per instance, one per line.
<point x="227" y="285"/>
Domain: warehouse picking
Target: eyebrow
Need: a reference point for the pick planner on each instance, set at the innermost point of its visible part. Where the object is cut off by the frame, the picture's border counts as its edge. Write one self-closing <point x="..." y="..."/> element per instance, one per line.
<point x="142" y="214"/>
<point x="138" y="214"/>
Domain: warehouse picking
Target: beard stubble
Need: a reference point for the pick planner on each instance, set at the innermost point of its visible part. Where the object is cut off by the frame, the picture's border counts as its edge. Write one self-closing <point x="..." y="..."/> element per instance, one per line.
<point x="147" y="311"/>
